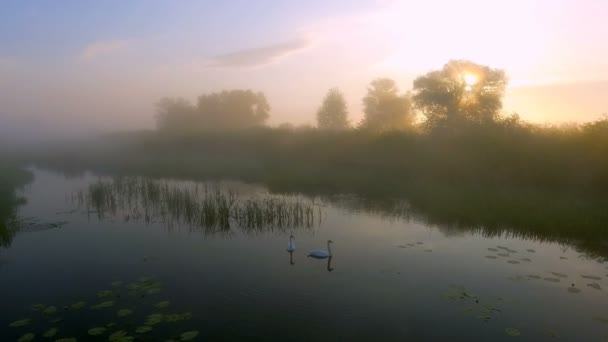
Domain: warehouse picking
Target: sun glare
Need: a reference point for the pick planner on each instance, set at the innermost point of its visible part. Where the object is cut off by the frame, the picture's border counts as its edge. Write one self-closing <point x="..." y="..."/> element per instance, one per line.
<point x="470" y="79"/>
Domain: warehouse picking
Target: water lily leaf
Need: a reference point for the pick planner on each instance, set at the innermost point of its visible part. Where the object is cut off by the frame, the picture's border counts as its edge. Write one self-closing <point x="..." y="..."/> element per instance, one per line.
<point x="78" y="305"/>
<point x="502" y="247"/>
<point x="116" y="283"/>
<point x="27" y="337"/>
<point x="428" y="250"/>
<point x="143" y="329"/>
<point x="188" y="336"/>
<point x="103" y="305"/>
<point x="563" y="258"/>
<point x="154" y="319"/>
<point x="119" y="336"/>
<point x="104" y="294"/>
<point x="56" y="320"/>
<point x="513" y="262"/>
<point x="124" y="312"/>
<point x="595" y="286"/>
<point x="493" y="249"/>
<point x="503" y="254"/>
<point x="20" y="323"/>
<point x="50" y="310"/>
<point x="97" y="331"/>
<point x="526" y="259"/>
<point x="491" y="256"/>
<point x="561" y="275"/>
<point x="553" y="280"/>
<point x="512" y="332"/>
<point x="574" y="290"/>
<point x="530" y="250"/>
<point x="591" y="277"/>
<point x="419" y="243"/>
<point x="484" y="318"/>
<point x="50" y="333"/>
<point x="67" y="339"/>
<point x="38" y="307"/>
<point x="153" y="291"/>
<point x="162" y="304"/>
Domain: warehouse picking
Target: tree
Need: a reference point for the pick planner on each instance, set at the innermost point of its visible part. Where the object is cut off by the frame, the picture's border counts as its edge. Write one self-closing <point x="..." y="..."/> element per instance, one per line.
<point x="233" y="109"/>
<point x="461" y="92"/>
<point x="333" y="114"/>
<point x="177" y="115"/>
<point x="384" y="108"/>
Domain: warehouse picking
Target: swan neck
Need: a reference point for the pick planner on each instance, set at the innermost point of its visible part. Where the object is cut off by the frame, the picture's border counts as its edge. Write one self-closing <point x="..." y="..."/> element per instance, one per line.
<point x="329" y="248"/>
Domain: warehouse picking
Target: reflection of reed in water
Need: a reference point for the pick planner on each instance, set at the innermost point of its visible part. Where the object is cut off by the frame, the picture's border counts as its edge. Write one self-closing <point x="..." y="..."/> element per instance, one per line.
<point x="213" y="209"/>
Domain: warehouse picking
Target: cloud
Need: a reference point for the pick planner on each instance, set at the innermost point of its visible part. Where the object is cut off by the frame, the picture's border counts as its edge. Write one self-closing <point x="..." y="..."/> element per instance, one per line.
<point x="102" y="49"/>
<point x="251" y="58"/>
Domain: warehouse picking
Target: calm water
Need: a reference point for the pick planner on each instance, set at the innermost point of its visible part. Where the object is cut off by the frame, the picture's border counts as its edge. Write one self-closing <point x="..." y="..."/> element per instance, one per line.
<point x="390" y="277"/>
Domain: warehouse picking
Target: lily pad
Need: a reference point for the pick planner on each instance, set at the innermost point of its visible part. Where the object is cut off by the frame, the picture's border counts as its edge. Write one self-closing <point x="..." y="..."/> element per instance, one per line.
<point x="188" y="336"/>
<point x="533" y="276"/>
<point x="56" y="320"/>
<point x="526" y="259"/>
<point x="120" y="336"/>
<point x="50" y="333"/>
<point x="530" y="250"/>
<point x="143" y="329"/>
<point x="20" y="323"/>
<point x="26" y="338"/>
<point x="553" y="280"/>
<point x="503" y="254"/>
<point x="563" y="258"/>
<point x="428" y="250"/>
<point x="513" y="262"/>
<point x="154" y="319"/>
<point x="493" y="249"/>
<point x="50" y="310"/>
<point x="591" y="277"/>
<point x="595" y="286"/>
<point x="97" y="331"/>
<point x="512" y="332"/>
<point x="116" y="283"/>
<point x="561" y="275"/>
<point x="574" y="290"/>
<point x="38" y="307"/>
<point x="162" y="304"/>
<point x="491" y="256"/>
<point x="67" y="339"/>
<point x="78" y="305"/>
<point x="124" y="312"/>
<point x="104" y="294"/>
<point x="103" y="305"/>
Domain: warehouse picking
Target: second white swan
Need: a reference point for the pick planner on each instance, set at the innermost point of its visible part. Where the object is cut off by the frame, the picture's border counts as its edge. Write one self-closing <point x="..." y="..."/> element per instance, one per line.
<point x="321" y="253"/>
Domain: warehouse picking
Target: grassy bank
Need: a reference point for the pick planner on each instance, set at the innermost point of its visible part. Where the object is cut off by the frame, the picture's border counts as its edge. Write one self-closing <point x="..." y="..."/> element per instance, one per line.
<point x="11" y="178"/>
<point x="540" y="182"/>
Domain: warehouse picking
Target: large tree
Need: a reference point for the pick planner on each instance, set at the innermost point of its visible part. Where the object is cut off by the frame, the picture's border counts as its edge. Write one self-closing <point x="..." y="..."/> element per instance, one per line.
<point x="177" y="115"/>
<point x="233" y="109"/>
<point x="384" y="108"/>
<point x="461" y="92"/>
<point x="333" y="114"/>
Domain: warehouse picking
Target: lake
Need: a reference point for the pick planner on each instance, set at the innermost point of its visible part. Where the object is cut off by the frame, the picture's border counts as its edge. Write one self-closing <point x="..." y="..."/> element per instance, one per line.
<point x="125" y="266"/>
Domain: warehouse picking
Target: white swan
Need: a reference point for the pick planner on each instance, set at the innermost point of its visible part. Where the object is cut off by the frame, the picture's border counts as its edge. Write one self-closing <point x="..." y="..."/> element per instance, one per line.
<point x="291" y="245"/>
<point x="320" y="253"/>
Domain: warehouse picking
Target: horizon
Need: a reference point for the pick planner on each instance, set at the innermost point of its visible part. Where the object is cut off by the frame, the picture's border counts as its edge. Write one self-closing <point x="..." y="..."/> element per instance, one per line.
<point x="99" y="67"/>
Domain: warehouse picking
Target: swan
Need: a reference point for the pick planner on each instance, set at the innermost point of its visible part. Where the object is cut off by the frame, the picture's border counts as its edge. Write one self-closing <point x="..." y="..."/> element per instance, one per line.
<point x="291" y="245"/>
<point x="320" y="253"/>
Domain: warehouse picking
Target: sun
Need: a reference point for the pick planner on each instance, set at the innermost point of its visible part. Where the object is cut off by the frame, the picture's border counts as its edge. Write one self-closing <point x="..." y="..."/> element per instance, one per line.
<point x="469" y="79"/>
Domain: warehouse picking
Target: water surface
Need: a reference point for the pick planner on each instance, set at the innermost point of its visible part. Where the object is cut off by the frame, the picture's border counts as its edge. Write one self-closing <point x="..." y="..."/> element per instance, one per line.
<point x="391" y="276"/>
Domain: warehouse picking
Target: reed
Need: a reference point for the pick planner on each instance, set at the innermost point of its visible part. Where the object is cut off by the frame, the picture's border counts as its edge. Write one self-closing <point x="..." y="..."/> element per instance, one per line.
<point x="210" y="207"/>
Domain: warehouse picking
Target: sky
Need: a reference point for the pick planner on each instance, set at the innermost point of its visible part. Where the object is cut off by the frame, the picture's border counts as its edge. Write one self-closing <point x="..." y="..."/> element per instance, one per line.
<point x="86" y="66"/>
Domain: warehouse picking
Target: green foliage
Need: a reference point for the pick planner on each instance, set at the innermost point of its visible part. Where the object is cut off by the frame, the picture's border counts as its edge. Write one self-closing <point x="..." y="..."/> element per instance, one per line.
<point x="227" y="110"/>
<point x="333" y="114"/>
<point x="462" y="92"/>
<point x="385" y="109"/>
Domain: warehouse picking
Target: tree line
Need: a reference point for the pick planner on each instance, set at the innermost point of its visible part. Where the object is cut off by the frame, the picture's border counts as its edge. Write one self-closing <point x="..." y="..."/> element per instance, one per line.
<point x="460" y="93"/>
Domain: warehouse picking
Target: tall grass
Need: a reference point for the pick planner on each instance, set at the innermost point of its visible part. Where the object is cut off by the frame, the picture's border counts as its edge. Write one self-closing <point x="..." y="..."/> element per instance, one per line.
<point x="208" y="207"/>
